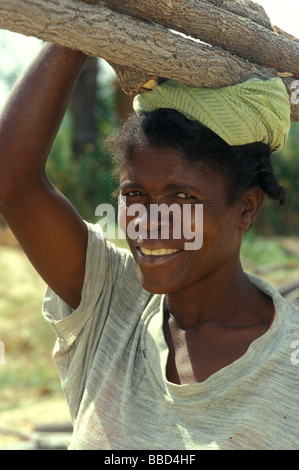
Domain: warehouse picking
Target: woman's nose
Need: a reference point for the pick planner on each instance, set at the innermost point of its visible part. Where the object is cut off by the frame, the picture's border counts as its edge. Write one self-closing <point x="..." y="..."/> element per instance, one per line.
<point x="157" y="220"/>
<point x="146" y="222"/>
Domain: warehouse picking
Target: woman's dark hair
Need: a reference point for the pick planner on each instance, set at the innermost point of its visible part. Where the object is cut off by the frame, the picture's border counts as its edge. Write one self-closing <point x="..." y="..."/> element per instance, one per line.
<point x="243" y="167"/>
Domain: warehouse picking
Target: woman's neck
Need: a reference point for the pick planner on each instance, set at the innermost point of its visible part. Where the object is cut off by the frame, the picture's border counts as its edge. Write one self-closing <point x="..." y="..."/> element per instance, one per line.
<point x="225" y="298"/>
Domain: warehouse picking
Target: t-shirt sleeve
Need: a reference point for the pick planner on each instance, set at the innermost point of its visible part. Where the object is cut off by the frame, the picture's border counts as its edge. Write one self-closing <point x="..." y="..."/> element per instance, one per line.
<point x="105" y="265"/>
<point x="109" y="271"/>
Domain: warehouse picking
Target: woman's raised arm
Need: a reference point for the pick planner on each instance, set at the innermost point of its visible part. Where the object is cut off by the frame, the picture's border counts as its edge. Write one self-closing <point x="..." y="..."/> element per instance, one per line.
<point x="48" y="228"/>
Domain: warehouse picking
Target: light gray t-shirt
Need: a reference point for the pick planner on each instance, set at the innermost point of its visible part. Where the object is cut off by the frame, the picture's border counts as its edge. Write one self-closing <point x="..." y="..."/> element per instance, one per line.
<point x="111" y="355"/>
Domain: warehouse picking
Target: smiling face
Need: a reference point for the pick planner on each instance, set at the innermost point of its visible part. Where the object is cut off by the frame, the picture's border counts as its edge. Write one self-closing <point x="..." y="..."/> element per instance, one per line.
<point x="156" y="176"/>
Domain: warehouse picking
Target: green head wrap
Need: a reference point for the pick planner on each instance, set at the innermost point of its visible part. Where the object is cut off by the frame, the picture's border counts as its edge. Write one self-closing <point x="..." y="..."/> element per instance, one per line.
<point x="253" y="111"/>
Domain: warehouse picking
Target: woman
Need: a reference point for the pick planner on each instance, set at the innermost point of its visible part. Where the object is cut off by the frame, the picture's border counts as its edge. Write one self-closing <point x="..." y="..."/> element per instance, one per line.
<point x="166" y="347"/>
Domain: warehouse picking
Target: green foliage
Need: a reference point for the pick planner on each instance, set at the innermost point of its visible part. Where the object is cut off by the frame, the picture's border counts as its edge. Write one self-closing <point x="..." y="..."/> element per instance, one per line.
<point x="87" y="181"/>
<point x="262" y="251"/>
<point x="276" y="259"/>
<point x="284" y="220"/>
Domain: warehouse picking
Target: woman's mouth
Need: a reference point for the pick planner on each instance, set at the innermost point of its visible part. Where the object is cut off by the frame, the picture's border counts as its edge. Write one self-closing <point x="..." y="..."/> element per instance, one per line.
<point x="156" y="256"/>
<point x="157" y="252"/>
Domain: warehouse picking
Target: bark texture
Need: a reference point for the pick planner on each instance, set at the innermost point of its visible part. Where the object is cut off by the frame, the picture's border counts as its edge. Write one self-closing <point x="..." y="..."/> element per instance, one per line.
<point x="218" y="27"/>
<point x="225" y="41"/>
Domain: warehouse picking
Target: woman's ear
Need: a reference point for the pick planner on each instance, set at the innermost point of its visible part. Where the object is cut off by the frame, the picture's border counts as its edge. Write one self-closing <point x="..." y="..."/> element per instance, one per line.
<point x="253" y="201"/>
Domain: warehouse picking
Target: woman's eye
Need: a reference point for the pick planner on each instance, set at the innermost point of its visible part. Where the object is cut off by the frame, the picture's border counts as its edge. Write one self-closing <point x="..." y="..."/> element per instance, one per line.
<point x="133" y="193"/>
<point x="184" y="196"/>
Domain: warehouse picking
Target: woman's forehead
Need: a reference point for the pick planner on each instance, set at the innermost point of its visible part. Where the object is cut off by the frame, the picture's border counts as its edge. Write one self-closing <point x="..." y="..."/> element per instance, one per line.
<point x="168" y="168"/>
<point x="151" y="162"/>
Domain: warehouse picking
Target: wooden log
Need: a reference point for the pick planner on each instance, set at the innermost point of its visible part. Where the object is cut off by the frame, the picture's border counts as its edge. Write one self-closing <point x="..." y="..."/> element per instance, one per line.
<point x="148" y="49"/>
<point x="246" y="8"/>
<point x="127" y="41"/>
<point x="204" y="20"/>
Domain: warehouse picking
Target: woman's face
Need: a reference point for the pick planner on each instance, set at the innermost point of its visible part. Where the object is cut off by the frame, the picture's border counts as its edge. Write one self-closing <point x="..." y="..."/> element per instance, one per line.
<point x="157" y="179"/>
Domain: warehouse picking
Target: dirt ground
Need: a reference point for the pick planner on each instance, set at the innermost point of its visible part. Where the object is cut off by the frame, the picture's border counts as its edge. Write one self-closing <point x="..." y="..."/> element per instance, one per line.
<point x="16" y="423"/>
<point x="27" y="417"/>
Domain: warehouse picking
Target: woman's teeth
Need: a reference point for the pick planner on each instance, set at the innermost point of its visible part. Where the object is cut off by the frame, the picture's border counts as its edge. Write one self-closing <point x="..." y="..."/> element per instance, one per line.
<point x="159" y="252"/>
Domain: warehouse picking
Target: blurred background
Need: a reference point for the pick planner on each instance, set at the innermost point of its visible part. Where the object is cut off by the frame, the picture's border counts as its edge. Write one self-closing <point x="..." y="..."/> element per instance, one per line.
<point x="80" y="166"/>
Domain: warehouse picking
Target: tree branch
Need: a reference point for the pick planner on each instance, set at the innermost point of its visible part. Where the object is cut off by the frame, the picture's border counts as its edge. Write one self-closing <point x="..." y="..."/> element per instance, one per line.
<point x="139" y="49"/>
<point x="218" y="27"/>
<point x="246" y="8"/>
<point x="127" y="41"/>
